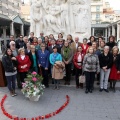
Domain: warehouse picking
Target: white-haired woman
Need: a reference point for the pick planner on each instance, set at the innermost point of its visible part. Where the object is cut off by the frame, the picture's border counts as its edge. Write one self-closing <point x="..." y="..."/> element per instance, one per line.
<point x="24" y="64"/>
<point x="38" y="46"/>
<point x="106" y="60"/>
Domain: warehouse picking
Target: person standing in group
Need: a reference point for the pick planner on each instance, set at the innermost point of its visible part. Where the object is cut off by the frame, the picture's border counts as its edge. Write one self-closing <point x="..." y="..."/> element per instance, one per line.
<point x="84" y="46"/>
<point x="34" y="59"/>
<point x="115" y="70"/>
<point x="55" y="56"/>
<point x="10" y="67"/>
<point x="31" y="37"/>
<point x="100" y="39"/>
<point x="106" y="60"/>
<point x="90" y="68"/>
<point x="111" y="43"/>
<point x="77" y="60"/>
<point x="24" y="64"/>
<point x="43" y="63"/>
<point x="92" y="39"/>
<point x="8" y="41"/>
<point x="101" y="46"/>
<point x="35" y="41"/>
<point x="27" y="50"/>
<point x="38" y="46"/>
<point x="67" y="55"/>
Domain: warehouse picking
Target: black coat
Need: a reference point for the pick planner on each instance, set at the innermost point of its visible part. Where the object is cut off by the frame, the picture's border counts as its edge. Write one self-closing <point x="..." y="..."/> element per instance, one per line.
<point x="9" y="64"/>
<point x="106" y="60"/>
<point x="20" y="44"/>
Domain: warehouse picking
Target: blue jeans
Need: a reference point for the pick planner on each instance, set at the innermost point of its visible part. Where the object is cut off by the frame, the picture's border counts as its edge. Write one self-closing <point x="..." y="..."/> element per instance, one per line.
<point x="11" y="82"/>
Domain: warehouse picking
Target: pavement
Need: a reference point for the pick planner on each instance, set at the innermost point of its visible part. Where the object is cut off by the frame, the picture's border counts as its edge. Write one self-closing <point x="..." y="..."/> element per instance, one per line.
<point x="92" y="106"/>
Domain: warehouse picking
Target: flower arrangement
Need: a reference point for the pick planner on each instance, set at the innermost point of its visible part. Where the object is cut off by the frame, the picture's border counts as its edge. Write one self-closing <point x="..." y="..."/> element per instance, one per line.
<point x="33" y="85"/>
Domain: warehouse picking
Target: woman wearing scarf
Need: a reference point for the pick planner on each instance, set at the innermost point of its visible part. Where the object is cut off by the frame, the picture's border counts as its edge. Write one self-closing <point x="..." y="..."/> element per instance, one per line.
<point x="67" y="55"/>
<point x="55" y="56"/>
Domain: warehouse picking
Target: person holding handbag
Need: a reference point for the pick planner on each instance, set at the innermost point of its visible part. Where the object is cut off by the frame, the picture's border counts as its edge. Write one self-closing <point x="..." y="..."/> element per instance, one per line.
<point x="77" y="60"/>
<point x="90" y="67"/>
<point x="57" y="73"/>
<point x="43" y="63"/>
<point x="10" y="67"/>
<point x="54" y="57"/>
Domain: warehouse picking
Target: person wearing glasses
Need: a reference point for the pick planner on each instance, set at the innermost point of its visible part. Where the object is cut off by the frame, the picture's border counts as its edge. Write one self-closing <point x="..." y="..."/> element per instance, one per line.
<point x="24" y="64"/>
<point x="33" y="58"/>
<point x="43" y="63"/>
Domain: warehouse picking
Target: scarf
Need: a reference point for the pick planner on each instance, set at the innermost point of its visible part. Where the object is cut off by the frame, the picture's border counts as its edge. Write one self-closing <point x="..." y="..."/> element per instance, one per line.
<point x="54" y="56"/>
<point x="66" y="53"/>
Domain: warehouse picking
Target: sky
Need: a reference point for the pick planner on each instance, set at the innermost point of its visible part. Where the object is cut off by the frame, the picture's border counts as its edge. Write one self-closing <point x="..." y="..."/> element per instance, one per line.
<point x="113" y="3"/>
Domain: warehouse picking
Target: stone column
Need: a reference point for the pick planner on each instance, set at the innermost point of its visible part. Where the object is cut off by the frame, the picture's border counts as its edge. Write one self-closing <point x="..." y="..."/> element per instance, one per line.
<point x="93" y="31"/>
<point x="22" y="29"/>
<point x="12" y="28"/>
<point x="113" y="30"/>
<point x="118" y="31"/>
<point x="106" y="33"/>
<point x="4" y="35"/>
<point x="109" y="31"/>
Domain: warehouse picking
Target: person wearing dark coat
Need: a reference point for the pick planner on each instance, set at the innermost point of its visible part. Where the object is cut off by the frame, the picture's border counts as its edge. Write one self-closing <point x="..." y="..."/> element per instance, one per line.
<point x="10" y="67"/>
<point x="8" y="41"/>
<point x="34" y="59"/>
<point x="105" y="66"/>
<point x="31" y="37"/>
<point x="43" y="62"/>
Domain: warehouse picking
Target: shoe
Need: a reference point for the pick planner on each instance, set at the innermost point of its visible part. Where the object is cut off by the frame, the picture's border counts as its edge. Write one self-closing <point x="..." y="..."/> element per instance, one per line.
<point x="77" y="86"/>
<point x="81" y="85"/>
<point x="114" y="90"/>
<point x="101" y="90"/>
<point x="57" y="88"/>
<point x="54" y="87"/>
<point x="68" y="83"/>
<point x="11" y="93"/>
<point x="86" y="91"/>
<point x="65" y="83"/>
<point x="106" y="90"/>
<point x="14" y="93"/>
<point x="90" y="91"/>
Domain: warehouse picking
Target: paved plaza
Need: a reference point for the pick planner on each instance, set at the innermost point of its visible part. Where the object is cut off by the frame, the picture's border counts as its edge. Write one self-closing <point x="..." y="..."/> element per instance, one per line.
<point x="92" y="106"/>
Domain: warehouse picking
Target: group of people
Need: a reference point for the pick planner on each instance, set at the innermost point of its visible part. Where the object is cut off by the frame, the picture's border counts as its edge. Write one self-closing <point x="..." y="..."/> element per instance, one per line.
<point x="56" y="57"/>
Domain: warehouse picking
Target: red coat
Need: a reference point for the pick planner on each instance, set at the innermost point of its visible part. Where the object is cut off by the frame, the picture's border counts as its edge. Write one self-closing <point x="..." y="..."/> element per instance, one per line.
<point x="84" y="50"/>
<point x="25" y="61"/>
<point x="75" y="60"/>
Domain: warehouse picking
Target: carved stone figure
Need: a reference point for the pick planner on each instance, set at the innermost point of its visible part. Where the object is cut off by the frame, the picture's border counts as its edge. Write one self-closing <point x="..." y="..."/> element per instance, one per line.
<point x="36" y="17"/>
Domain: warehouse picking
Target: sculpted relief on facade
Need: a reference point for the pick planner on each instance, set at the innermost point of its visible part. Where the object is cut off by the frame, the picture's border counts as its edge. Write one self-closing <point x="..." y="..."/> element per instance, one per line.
<point x="61" y="16"/>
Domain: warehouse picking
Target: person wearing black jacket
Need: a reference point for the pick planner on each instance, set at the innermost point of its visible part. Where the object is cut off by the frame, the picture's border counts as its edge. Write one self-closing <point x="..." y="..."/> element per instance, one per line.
<point x="31" y="37"/>
<point x="34" y="59"/>
<point x="111" y="42"/>
<point x="20" y="43"/>
<point x="10" y="67"/>
<point x="105" y="66"/>
<point x="8" y="41"/>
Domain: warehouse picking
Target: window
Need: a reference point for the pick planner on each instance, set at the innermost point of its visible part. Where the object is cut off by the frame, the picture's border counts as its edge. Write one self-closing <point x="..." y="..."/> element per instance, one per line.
<point x="98" y="8"/>
<point x="97" y="16"/>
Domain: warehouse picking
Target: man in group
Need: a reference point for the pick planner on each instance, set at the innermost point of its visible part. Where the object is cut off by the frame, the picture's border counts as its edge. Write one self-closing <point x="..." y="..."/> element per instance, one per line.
<point x="31" y="37"/>
<point x="8" y="41"/>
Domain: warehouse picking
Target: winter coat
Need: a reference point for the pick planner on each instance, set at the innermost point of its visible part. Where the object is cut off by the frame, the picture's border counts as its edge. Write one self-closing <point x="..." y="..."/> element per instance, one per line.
<point x="9" y="64"/>
<point x="58" y="73"/>
<point x="91" y="63"/>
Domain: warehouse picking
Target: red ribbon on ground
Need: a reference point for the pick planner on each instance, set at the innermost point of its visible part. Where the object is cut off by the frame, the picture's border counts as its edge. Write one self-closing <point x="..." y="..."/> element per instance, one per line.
<point x="47" y="116"/>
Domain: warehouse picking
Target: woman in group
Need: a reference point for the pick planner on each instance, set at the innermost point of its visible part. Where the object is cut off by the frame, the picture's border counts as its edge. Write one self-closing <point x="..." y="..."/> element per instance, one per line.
<point x="115" y="70"/>
<point x="43" y="63"/>
<point x="35" y="41"/>
<point x="37" y="47"/>
<point x="67" y="55"/>
<point x="106" y="60"/>
<point x="92" y="39"/>
<point x="84" y="46"/>
<point x="100" y="39"/>
<point x="24" y="64"/>
<point x="111" y="42"/>
<point x="77" y="60"/>
<point x="34" y="59"/>
<point x="10" y="67"/>
<point x="46" y="41"/>
<point x="54" y="57"/>
<point x="101" y="46"/>
<point x="27" y="50"/>
<point x="90" y="68"/>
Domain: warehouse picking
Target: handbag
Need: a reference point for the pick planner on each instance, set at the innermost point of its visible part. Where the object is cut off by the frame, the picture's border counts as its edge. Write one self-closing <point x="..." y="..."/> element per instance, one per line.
<point x="82" y="78"/>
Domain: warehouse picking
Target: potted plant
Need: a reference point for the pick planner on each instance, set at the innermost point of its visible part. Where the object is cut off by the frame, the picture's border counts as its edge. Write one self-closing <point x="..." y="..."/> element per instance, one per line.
<point x="33" y="87"/>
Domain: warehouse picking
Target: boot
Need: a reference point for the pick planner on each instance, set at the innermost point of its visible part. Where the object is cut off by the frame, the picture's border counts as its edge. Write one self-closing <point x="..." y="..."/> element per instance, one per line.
<point x="14" y="93"/>
<point x="114" y="83"/>
<point x="111" y="87"/>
